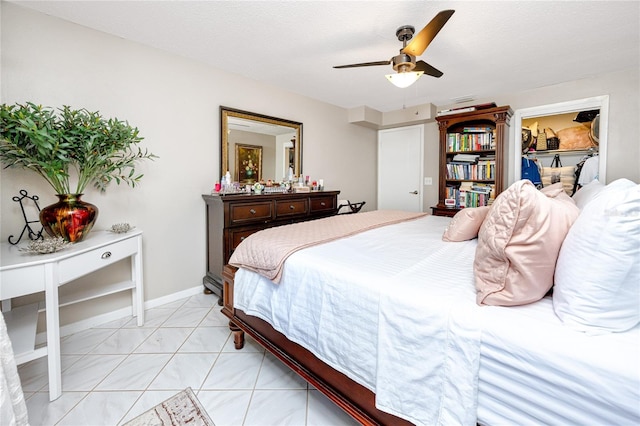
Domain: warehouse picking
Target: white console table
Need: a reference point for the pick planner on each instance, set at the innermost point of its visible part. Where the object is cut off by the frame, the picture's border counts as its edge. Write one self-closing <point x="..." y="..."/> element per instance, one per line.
<point x="23" y="273"/>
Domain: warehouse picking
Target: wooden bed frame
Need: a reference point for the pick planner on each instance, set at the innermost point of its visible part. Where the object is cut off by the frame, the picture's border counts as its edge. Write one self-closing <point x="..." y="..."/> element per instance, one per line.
<point x="355" y="399"/>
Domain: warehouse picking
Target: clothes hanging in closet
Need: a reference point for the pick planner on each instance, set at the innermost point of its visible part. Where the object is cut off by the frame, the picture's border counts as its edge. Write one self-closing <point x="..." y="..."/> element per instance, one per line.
<point x="589" y="170"/>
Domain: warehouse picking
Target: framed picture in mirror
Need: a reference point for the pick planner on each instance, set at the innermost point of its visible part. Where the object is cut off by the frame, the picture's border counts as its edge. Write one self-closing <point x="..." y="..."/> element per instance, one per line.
<point x="248" y="163"/>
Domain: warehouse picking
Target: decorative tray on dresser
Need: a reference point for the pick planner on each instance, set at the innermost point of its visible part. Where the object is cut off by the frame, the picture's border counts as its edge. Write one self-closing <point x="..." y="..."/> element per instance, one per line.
<point x="233" y="217"/>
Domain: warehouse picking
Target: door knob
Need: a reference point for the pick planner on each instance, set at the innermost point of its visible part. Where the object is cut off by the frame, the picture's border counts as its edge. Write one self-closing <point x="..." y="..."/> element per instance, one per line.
<point x="414" y="192"/>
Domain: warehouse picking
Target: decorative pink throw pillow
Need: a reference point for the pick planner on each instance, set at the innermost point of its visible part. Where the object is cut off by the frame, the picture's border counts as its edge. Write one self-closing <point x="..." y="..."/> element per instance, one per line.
<point x="465" y="224"/>
<point x="518" y="244"/>
<point x="554" y="190"/>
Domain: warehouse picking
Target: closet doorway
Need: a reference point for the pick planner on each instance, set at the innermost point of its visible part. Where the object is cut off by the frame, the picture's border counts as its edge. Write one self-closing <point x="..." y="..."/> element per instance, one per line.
<point x="600" y="103"/>
<point x="400" y="164"/>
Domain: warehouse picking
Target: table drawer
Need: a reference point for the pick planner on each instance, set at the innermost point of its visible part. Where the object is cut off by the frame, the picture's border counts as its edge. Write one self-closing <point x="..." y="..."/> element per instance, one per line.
<point x="247" y="213"/>
<point x="320" y="204"/>
<point x="82" y="264"/>
<point x="21" y="281"/>
<point x="293" y="207"/>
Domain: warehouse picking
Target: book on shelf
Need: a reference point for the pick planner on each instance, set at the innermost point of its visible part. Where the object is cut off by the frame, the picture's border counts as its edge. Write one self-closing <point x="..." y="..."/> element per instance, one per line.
<point x="465" y="188"/>
<point x="477" y="129"/>
<point x="465" y="158"/>
<point x="480" y="170"/>
<point x="472" y="194"/>
<point x="482" y="141"/>
<point x="467" y="194"/>
<point x="486" y="188"/>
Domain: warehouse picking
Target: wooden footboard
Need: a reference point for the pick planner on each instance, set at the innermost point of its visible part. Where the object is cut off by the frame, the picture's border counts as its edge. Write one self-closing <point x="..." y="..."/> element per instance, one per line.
<point x="355" y="399"/>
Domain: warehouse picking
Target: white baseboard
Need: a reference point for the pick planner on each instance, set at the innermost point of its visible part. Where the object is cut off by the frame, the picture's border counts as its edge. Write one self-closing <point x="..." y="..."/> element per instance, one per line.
<point x="88" y="323"/>
<point x="172" y="297"/>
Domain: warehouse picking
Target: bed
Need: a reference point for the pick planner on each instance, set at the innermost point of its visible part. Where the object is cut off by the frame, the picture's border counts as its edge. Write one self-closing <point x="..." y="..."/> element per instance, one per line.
<point x="393" y="325"/>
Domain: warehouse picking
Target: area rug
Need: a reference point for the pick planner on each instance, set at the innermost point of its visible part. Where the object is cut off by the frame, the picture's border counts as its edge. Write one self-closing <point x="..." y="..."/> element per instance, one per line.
<point x="182" y="409"/>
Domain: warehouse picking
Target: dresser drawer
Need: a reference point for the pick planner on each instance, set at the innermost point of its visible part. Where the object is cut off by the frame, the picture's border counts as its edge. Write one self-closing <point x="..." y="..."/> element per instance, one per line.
<point x="82" y="264"/>
<point x="321" y="204"/>
<point x="293" y="207"/>
<point x="236" y="237"/>
<point x="242" y="213"/>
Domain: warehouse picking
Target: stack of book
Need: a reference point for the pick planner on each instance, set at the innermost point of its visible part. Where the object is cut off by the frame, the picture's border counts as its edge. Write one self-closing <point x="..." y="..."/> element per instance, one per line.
<point x="478" y="168"/>
<point x="471" y="141"/>
<point x="470" y="194"/>
<point x="466" y="158"/>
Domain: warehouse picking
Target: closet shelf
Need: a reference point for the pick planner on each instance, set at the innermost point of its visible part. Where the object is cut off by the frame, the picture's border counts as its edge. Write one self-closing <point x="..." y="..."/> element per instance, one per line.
<point x="561" y="152"/>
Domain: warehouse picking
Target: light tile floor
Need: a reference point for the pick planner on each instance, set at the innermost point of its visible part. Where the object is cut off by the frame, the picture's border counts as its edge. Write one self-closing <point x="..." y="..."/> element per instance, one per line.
<point x="116" y="371"/>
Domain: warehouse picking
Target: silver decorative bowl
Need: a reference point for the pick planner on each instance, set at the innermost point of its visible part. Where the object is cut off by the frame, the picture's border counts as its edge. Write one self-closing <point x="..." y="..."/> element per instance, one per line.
<point x="121" y="228"/>
<point x="45" y="246"/>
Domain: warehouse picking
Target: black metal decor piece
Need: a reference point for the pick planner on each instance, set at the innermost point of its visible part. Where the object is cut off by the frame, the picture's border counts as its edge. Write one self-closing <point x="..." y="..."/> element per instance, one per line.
<point x="27" y="227"/>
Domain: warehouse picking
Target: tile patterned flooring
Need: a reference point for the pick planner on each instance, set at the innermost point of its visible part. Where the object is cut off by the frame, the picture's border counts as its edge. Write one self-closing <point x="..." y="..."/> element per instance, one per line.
<point x="114" y="372"/>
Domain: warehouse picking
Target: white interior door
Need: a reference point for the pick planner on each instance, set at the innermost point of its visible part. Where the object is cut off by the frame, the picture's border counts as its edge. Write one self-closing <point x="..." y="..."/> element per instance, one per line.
<point x="400" y="163"/>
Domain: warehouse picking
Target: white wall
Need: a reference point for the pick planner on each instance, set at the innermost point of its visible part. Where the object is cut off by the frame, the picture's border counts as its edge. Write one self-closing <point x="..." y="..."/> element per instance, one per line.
<point x="175" y="104"/>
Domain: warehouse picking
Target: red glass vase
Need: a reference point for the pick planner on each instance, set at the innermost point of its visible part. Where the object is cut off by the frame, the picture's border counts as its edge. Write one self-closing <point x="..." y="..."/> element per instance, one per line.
<point x="69" y="218"/>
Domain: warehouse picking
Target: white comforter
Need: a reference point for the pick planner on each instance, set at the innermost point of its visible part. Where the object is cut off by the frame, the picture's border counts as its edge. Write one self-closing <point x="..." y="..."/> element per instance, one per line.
<point x="404" y="325"/>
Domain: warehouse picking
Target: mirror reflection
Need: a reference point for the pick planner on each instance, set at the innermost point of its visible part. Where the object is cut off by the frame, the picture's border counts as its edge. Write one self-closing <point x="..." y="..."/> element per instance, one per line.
<point x="257" y="147"/>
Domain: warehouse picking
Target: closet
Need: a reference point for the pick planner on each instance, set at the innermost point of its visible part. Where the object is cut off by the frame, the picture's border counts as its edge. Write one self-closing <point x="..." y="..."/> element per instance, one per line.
<point x="580" y="127"/>
<point x="561" y="144"/>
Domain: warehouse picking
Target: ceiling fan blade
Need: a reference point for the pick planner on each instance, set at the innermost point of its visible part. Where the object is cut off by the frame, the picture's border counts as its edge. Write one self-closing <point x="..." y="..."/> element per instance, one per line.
<point x="421" y="41"/>
<point x="364" y="64"/>
<point x="427" y="69"/>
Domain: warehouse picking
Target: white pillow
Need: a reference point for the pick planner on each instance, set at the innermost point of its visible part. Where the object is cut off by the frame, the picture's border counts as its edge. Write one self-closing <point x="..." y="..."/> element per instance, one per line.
<point x="587" y="193"/>
<point x="597" y="277"/>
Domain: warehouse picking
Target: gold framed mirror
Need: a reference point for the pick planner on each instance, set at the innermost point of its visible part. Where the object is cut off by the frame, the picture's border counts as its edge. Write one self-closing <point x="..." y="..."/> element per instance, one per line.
<point x="279" y="142"/>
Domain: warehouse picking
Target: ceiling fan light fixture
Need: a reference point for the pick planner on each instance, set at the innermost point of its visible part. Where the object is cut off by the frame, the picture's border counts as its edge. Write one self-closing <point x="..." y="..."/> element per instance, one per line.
<point x="404" y="79"/>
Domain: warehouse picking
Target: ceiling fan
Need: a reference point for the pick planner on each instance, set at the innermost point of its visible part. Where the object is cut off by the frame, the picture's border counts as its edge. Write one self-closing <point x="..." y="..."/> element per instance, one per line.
<point x="408" y="70"/>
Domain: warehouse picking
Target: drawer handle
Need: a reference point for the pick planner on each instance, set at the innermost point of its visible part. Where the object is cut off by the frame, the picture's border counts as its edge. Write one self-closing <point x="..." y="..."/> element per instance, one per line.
<point x="323" y="204"/>
<point x="292" y="207"/>
<point x="106" y="255"/>
<point x="252" y="211"/>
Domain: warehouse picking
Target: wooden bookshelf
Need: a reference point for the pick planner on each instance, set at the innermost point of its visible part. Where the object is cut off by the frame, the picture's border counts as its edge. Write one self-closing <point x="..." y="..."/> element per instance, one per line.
<point x="472" y="158"/>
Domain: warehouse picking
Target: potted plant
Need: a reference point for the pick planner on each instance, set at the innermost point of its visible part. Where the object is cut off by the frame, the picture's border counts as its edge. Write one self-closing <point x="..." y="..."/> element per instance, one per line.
<point x="66" y="145"/>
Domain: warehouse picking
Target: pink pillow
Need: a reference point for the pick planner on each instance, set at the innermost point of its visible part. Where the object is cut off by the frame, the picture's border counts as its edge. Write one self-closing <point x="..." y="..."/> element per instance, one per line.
<point x="518" y="245"/>
<point x="554" y="190"/>
<point x="465" y="224"/>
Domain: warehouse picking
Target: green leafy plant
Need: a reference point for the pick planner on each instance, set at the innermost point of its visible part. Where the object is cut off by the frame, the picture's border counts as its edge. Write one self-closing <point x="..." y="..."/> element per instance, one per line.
<point x="53" y="143"/>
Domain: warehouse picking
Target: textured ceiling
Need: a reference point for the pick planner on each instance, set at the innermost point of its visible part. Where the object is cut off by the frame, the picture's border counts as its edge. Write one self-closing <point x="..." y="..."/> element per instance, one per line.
<point x="486" y="48"/>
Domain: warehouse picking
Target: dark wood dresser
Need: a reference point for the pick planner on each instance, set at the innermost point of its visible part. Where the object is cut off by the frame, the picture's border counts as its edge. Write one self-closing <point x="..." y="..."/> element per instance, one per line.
<point x="233" y="217"/>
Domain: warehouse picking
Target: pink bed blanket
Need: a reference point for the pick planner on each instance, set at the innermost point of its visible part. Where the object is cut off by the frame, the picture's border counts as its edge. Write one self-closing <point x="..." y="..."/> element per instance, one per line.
<point x="265" y="251"/>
